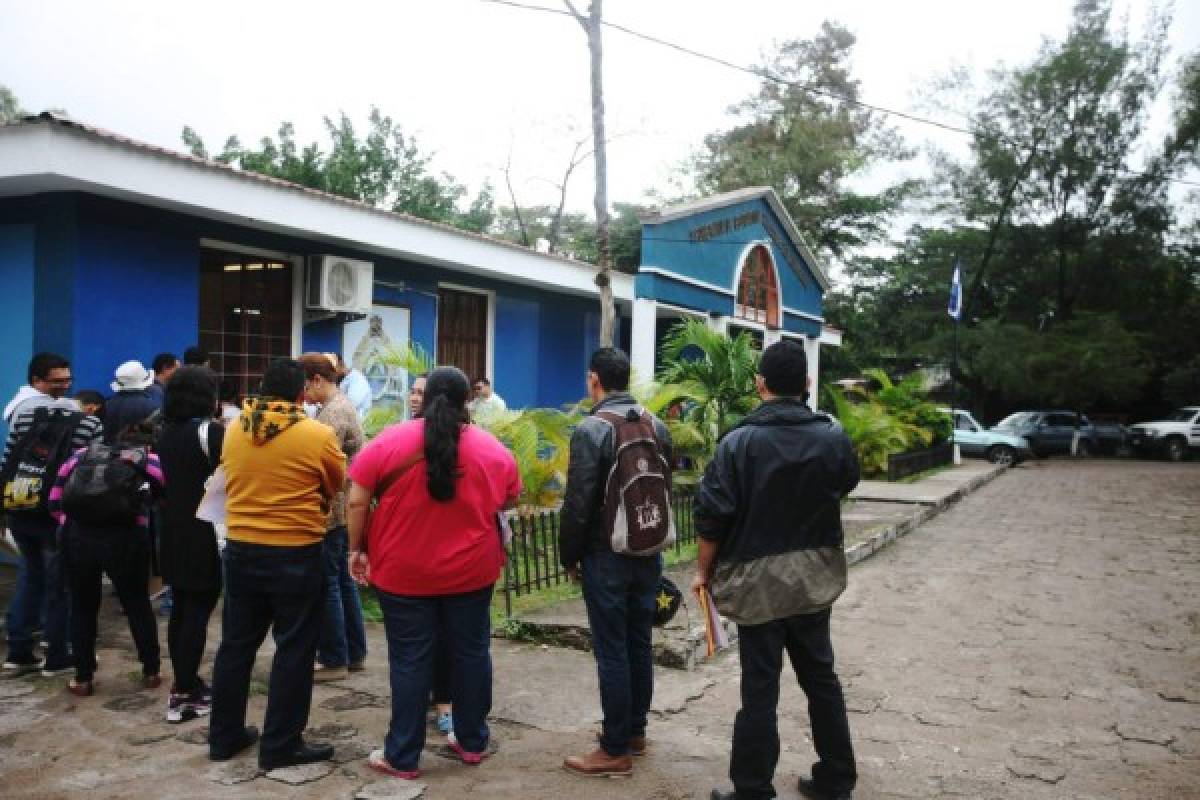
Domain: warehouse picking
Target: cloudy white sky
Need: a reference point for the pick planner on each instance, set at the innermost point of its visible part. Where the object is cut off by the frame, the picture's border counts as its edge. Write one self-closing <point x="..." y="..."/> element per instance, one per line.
<point x="476" y="81"/>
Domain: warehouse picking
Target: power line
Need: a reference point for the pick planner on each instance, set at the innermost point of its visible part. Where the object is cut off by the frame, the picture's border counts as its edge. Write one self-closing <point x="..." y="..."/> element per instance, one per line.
<point x="765" y="74"/>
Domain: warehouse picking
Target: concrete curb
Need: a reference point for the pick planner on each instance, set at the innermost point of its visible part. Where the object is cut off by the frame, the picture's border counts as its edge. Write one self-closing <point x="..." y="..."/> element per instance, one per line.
<point x="880" y="540"/>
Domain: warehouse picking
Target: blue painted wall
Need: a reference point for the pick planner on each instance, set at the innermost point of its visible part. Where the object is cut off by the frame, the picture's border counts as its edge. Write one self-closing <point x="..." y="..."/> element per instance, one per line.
<point x="137" y="293"/>
<point x="115" y="280"/>
<point x="16" y="306"/>
<point x="716" y="260"/>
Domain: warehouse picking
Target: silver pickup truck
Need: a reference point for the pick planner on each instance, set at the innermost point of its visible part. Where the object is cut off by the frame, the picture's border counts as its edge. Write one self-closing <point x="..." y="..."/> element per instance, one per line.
<point x="1173" y="436"/>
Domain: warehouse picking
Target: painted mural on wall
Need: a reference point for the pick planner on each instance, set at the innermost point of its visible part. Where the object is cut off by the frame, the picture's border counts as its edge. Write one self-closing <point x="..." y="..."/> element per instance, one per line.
<point x="366" y="343"/>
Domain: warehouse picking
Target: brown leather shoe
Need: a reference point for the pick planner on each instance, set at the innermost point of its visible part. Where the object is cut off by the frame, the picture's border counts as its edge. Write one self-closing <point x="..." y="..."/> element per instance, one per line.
<point x="637" y="744"/>
<point x="599" y="764"/>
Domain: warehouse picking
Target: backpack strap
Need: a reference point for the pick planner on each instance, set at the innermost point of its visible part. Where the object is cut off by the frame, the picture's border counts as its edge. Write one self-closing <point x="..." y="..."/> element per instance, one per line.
<point x="204" y="434"/>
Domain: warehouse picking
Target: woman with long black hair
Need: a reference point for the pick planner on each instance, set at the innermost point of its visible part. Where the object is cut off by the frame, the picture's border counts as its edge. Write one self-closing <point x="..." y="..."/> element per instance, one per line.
<point x="433" y="553"/>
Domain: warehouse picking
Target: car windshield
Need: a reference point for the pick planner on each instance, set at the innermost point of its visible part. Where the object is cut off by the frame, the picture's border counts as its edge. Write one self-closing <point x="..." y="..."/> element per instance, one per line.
<point x="1181" y="415"/>
<point x="1018" y="420"/>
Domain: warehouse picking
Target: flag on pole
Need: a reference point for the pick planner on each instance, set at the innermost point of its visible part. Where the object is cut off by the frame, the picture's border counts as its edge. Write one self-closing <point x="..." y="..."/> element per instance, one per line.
<point x="955" y="309"/>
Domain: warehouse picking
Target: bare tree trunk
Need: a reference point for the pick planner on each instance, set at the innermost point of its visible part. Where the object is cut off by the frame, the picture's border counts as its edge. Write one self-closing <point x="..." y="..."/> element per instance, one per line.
<point x="592" y="25"/>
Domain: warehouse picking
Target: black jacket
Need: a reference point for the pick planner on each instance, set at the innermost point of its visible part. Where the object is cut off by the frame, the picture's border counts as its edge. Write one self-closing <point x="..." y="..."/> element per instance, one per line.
<point x="582" y="523"/>
<point x="776" y="483"/>
<point x="189" y="559"/>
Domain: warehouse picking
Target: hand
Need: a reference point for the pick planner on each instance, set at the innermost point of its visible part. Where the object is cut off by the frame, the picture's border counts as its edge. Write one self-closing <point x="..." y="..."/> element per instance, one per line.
<point x="360" y="567"/>
<point x="573" y="574"/>
<point x="699" y="583"/>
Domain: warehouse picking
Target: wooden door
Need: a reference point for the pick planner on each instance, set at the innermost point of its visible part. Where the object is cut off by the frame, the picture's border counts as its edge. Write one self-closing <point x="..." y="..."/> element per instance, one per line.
<point x="463" y="332"/>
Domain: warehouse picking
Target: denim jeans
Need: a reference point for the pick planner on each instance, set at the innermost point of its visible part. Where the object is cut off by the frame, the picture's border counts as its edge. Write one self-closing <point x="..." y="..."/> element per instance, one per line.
<point x="343" y="636"/>
<point x="413" y="626"/>
<point x="805" y="637"/>
<point x="41" y="588"/>
<point x="619" y="592"/>
<point x="276" y="588"/>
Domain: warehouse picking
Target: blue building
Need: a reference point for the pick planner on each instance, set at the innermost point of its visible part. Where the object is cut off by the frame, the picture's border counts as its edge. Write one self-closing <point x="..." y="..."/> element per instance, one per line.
<point x="111" y="249"/>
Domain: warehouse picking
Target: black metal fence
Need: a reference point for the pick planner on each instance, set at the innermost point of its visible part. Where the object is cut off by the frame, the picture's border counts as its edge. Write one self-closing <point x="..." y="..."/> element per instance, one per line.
<point x="901" y="465"/>
<point x="533" y="562"/>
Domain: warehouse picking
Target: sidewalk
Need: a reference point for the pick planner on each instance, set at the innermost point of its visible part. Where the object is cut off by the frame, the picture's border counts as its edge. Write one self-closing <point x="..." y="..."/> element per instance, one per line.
<point x="877" y="514"/>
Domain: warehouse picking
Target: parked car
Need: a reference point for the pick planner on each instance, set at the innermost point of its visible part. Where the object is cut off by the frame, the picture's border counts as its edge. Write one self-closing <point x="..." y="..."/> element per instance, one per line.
<point x="1171" y="436"/>
<point x="1052" y="432"/>
<point x="998" y="447"/>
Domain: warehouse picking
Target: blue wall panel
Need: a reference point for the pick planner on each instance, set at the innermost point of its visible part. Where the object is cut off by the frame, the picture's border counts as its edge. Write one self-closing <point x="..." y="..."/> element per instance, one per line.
<point x="715" y="259"/>
<point x="137" y="295"/>
<point x="16" y="306"/>
<point x="516" y="351"/>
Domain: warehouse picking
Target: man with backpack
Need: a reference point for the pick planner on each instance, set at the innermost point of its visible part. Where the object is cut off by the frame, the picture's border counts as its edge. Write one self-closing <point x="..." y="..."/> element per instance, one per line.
<point x="768" y="514"/>
<point x="616" y="519"/>
<point x="40" y="440"/>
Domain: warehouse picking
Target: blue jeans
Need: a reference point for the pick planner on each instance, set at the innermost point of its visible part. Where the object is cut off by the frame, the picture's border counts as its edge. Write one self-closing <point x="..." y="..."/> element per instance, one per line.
<point x="41" y="587"/>
<point x="343" y="636"/>
<point x="414" y="625"/>
<point x="280" y="589"/>
<point x="619" y="592"/>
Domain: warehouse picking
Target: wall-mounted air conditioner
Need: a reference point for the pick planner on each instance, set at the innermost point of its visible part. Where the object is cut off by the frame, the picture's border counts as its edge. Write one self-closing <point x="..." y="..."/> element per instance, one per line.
<point x="341" y="285"/>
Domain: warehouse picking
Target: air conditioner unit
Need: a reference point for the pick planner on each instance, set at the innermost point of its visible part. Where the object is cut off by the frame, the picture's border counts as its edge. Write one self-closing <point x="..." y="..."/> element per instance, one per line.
<point x="341" y="285"/>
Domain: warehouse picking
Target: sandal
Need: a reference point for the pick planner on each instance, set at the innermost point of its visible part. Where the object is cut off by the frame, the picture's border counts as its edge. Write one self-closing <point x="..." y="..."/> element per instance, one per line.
<point x="81" y="688"/>
<point x="378" y="762"/>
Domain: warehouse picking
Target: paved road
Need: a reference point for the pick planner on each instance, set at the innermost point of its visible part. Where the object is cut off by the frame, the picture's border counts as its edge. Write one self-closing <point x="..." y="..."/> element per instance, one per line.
<point x="1039" y="640"/>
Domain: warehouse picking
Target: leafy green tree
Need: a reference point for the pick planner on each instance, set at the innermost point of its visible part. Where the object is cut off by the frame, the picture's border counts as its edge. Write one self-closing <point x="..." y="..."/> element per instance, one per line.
<point x="383" y="167"/>
<point x="803" y="135"/>
<point x="10" y="107"/>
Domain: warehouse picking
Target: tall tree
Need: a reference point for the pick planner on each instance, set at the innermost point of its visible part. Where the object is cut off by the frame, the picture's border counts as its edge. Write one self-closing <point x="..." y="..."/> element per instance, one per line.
<point x="803" y="134"/>
<point x="10" y="108"/>
<point x="592" y="25"/>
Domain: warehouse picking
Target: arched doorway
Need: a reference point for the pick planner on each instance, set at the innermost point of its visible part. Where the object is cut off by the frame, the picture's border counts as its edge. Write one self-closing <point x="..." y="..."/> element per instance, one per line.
<point x="758" y="290"/>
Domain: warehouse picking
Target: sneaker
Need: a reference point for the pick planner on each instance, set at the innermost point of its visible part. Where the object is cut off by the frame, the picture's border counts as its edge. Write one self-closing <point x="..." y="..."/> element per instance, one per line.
<point x="445" y="722"/>
<point x="324" y="674"/>
<point x="54" y="670"/>
<point x="16" y="666"/>
<point x="201" y="699"/>
<point x="179" y="709"/>
<point x="377" y="762"/>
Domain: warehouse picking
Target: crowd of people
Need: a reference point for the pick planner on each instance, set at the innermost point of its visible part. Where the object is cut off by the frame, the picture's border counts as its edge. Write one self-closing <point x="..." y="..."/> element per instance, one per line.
<point x="310" y="512"/>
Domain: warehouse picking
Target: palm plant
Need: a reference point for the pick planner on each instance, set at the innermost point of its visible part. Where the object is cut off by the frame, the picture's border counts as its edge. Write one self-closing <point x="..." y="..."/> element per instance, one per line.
<point x="715" y="373"/>
<point x="874" y="432"/>
<point x="539" y="439"/>
<point x="414" y="360"/>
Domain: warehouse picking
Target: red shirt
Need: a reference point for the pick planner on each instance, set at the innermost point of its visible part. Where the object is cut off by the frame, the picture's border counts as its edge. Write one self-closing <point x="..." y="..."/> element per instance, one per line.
<point x="418" y="546"/>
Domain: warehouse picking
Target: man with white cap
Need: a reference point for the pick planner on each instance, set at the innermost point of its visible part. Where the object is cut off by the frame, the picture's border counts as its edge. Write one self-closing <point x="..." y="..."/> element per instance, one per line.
<point x="133" y="401"/>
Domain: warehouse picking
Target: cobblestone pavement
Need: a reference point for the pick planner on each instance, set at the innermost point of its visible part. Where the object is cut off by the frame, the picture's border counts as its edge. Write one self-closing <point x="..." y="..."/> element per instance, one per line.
<point x="1041" y="639"/>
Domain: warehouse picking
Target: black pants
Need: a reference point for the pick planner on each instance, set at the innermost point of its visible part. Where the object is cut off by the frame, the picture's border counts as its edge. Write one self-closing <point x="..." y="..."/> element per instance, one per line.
<point x="441" y="670"/>
<point x="805" y="637"/>
<point x="123" y="555"/>
<point x="187" y="633"/>
<point x="277" y="588"/>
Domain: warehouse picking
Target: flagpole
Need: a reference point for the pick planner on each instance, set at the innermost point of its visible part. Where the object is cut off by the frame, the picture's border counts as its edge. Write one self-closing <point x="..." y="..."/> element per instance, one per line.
<point x="957" y="283"/>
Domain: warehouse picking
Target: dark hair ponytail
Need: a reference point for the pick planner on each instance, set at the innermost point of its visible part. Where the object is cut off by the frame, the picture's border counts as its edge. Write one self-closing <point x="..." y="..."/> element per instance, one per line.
<point x="445" y="414"/>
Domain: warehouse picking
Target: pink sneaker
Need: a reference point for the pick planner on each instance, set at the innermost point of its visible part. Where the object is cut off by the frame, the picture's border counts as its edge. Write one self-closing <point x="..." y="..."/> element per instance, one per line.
<point x="377" y="762"/>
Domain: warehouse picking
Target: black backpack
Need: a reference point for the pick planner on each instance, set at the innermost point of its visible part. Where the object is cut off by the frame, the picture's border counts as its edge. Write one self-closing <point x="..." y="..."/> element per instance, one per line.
<point x="109" y="486"/>
<point x="637" y="495"/>
<point x="35" y="459"/>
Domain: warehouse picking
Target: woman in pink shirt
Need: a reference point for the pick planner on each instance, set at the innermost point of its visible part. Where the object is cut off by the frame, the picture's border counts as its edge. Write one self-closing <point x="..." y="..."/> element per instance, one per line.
<point x="432" y="550"/>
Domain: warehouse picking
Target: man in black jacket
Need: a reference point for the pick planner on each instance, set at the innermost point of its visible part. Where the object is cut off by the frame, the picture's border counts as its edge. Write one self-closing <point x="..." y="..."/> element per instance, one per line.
<point x="619" y="590"/>
<point x="768" y="515"/>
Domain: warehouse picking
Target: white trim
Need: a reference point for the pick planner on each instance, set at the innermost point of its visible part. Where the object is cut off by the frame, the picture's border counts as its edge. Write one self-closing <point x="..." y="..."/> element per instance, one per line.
<point x="675" y="276"/>
<point x="830" y="336"/>
<point x="795" y="312"/>
<point x="687" y="312"/>
<point x="490" y="344"/>
<point x="644" y="326"/>
<point x="246" y="250"/>
<point x="50" y="155"/>
<point x="748" y="324"/>
<point x="741" y="266"/>
<point x="299" y="274"/>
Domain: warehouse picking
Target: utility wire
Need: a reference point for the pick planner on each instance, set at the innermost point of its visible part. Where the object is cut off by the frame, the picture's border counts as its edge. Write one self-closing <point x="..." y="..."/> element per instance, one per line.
<point x="765" y="74"/>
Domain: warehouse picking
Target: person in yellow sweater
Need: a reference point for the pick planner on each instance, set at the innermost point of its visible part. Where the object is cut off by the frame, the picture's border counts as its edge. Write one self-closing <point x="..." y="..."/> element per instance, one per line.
<point x="281" y="470"/>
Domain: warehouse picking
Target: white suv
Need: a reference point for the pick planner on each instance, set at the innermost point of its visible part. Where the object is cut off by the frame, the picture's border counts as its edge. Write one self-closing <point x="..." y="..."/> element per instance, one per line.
<point x="1170" y="436"/>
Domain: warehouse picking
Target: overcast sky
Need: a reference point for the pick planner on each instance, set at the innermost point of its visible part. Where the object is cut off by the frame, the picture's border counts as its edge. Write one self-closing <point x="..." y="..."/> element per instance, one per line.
<point x="475" y="81"/>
